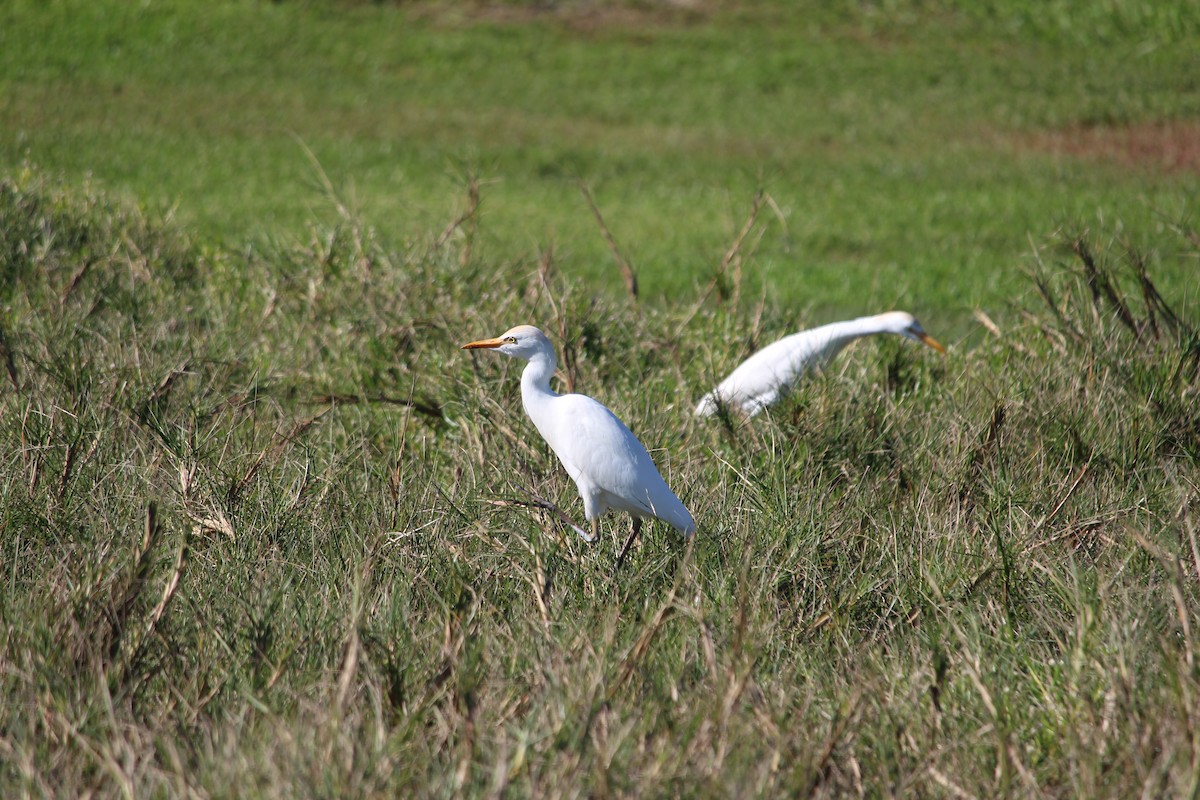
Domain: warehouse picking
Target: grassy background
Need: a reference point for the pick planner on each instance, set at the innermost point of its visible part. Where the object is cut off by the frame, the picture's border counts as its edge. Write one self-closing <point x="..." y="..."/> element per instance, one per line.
<point x="897" y="140"/>
<point x="260" y="521"/>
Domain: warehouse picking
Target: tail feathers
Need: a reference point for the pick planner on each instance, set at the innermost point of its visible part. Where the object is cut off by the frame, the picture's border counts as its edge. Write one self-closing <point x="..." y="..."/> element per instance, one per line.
<point x="672" y="511"/>
<point x="685" y="524"/>
<point x="681" y="520"/>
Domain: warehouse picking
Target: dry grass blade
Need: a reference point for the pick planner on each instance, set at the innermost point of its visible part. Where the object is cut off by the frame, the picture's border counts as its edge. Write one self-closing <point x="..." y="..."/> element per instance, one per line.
<point x="1046" y="291"/>
<point x="214" y="523"/>
<point x="160" y="608"/>
<point x="1192" y="236"/>
<point x="68" y="466"/>
<point x="535" y="501"/>
<point x="137" y="579"/>
<point x="991" y="327"/>
<point x="837" y="730"/>
<point x="668" y="609"/>
<point x="280" y="443"/>
<point x="983" y="453"/>
<point x="545" y="271"/>
<point x="627" y="273"/>
<point x="349" y="667"/>
<point x="569" y="360"/>
<point x="73" y="283"/>
<point x="1150" y="297"/>
<point x="983" y="319"/>
<point x="953" y="788"/>
<point x="1100" y="283"/>
<point x="1191" y="531"/>
<point x="10" y="365"/>
<point x="160" y="392"/>
<point x="169" y="588"/>
<point x="732" y="255"/>
<point x="1062" y="502"/>
<point x="542" y="583"/>
<point x="468" y="216"/>
<point x="428" y="408"/>
<point x="1154" y="301"/>
<point x="1182" y="608"/>
<point x="1040" y="276"/>
<point x="633" y="658"/>
<point x="362" y="260"/>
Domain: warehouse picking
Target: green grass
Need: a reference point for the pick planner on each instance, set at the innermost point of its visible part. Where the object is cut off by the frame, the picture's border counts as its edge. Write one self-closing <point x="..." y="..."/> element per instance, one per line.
<point x="261" y="521"/>
<point x="936" y="576"/>
<point x="894" y="139"/>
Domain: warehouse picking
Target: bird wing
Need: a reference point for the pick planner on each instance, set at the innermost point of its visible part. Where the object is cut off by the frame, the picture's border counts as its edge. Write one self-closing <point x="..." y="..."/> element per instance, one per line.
<point x="599" y="452"/>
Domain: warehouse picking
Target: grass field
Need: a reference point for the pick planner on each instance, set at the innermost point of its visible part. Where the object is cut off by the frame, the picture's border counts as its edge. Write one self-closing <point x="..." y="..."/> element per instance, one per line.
<point x="908" y="147"/>
<point x="265" y="530"/>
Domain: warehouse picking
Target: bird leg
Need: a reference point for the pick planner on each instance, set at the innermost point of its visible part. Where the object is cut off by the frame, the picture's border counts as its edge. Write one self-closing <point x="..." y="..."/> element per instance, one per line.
<point x="637" y="526"/>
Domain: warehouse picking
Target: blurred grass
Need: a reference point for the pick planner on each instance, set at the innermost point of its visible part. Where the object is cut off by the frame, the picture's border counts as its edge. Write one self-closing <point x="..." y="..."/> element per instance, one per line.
<point x="892" y="137"/>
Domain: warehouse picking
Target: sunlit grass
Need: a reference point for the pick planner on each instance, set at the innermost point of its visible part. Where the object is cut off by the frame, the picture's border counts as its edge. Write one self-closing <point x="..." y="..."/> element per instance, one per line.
<point x="251" y="537"/>
<point x="892" y="140"/>
<point x="261" y="520"/>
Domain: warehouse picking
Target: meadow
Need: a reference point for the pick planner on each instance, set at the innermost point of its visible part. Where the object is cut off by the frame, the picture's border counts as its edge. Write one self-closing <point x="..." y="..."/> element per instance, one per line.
<point x="265" y="531"/>
<point x="907" y="151"/>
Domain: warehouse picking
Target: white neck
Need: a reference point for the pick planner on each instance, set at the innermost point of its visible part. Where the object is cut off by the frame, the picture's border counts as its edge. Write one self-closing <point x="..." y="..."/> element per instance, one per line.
<point x="854" y="328"/>
<point x="832" y="338"/>
<point x="535" y="381"/>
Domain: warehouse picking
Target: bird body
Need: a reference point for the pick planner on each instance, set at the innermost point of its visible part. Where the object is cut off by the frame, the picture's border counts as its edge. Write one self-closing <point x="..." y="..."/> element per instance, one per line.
<point x="767" y="375"/>
<point x="610" y="467"/>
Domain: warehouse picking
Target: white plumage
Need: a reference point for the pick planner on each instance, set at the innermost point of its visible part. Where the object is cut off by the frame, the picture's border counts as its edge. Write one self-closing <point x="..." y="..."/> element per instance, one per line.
<point x="610" y="467"/>
<point x="765" y="377"/>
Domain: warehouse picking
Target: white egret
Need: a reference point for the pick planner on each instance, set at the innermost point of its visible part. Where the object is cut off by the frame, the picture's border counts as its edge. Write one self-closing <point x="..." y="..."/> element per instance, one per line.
<point x="766" y="376"/>
<point x="610" y="467"/>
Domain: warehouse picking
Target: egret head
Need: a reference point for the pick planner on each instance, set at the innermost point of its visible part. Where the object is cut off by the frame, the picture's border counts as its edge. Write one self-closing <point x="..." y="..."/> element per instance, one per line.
<point x="906" y="325"/>
<point x="523" y="341"/>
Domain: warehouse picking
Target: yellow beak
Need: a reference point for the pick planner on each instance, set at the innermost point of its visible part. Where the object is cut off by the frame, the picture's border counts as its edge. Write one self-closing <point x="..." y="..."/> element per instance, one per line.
<point x="482" y="344"/>
<point x="924" y="337"/>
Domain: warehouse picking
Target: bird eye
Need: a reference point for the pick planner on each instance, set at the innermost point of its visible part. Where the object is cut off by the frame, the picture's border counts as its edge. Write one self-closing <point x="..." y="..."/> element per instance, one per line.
<point x="510" y="339"/>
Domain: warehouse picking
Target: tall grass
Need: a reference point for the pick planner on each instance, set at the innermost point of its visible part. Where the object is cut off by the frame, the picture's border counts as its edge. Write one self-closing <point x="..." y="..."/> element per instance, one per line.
<point x="262" y="533"/>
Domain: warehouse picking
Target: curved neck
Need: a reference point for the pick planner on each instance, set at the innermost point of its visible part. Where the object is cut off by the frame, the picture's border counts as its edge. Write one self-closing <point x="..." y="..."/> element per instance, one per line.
<point x="535" y="379"/>
<point x="851" y="329"/>
<point x="859" y="326"/>
<point x="829" y="340"/>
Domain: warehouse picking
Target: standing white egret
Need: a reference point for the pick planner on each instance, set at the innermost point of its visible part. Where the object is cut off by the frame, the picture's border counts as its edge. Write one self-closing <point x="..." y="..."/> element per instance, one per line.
<point x="610" y="467"/>
<point x="766" y="376"/>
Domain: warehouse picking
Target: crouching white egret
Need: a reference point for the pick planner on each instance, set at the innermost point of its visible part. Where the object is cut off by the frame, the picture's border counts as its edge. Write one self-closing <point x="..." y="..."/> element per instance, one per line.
<point x="610" y="467"/>
<point x="766" y="376"/>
